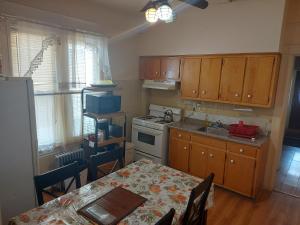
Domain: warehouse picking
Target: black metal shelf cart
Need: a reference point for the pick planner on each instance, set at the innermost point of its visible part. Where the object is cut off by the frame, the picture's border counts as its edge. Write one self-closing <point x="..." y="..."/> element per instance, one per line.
<point x="102" y="132"/>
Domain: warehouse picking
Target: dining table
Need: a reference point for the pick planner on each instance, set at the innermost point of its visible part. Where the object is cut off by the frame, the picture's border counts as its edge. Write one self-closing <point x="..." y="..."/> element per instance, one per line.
<point x="162" y="186"/>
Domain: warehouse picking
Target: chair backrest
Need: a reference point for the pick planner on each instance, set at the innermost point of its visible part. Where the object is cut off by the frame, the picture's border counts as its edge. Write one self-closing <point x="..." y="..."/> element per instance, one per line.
<point x="167" y="219"/>
<point x="195" y="213"/>
<point x="55" y="176"/>
<point x="103" y="158"/>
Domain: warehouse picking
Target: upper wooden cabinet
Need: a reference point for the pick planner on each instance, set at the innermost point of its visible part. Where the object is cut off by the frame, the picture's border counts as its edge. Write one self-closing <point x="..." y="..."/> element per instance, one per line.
<point x="159" y="68"/>
<point x="170" y="68"/>
<point x="243" y="79"/>
<point x="259" y="80"/>
<point x="210" y="78"/>
<point x="149" y="68"/>
<point x="232" y="79"/>
<point x="190" y="77"/>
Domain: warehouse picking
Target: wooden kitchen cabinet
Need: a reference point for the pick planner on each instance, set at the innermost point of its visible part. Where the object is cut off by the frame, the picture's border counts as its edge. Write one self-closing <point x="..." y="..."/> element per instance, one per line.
<point x="259" y="80"/>
<point x="216" y="164"/>
<point x="190" y="77"/>
<point x="232" y="79"/>
<point x="159" y="68"/>
<point x="150" y="68"/>
<point x="239" y="173"/>
<point x="210" y="78"/>
<point x="170" y="68"/>
<point x="236" y="166"/>
<point x="179" y="154"/>
<point x="198" y="160"/>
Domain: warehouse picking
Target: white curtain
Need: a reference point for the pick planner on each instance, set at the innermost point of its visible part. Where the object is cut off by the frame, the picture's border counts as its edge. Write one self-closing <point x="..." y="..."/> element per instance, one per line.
<point x="59" y="62"/>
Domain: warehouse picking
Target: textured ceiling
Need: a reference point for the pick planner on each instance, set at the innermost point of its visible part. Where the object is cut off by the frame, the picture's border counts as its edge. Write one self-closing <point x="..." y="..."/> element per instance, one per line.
<point x="134" y="6"/>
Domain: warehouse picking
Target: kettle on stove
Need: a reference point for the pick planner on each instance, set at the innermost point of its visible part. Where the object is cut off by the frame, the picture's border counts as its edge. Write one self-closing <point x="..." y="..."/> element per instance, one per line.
<point x="168" y="116"/>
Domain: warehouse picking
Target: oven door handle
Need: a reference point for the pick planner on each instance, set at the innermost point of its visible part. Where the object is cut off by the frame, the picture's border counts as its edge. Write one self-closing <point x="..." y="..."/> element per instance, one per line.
<point x="146" y="130"/>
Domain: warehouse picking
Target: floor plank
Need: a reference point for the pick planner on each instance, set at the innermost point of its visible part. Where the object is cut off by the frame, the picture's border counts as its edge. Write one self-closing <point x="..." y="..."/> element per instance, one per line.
<point x="269" y="209"/>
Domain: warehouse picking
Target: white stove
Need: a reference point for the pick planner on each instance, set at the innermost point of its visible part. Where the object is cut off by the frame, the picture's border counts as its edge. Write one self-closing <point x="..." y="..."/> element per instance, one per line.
<point x="150" y="133"/>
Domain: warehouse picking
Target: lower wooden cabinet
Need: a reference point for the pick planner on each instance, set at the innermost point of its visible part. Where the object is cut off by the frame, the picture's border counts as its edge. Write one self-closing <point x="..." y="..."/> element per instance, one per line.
<point x="216" y="164"/>
<point x="237" y="167"/>
<point x="179" y="154"/>
<point x="198" y="160"/>
<point x="239" y="173"/>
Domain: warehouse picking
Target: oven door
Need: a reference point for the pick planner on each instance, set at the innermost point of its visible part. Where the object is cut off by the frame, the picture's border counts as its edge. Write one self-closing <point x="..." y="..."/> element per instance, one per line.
<point x="147" y="140"/>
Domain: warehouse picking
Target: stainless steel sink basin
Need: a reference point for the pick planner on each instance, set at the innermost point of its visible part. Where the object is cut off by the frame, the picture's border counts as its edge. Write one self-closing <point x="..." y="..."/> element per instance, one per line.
<point x="214" y="130"/>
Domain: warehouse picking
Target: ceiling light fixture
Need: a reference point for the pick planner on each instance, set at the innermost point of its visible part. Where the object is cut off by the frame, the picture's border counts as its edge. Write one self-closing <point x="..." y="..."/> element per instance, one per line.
<point x="165" y="12"/>
<point x="161" y="10"/>
<point x="151" y="15"/>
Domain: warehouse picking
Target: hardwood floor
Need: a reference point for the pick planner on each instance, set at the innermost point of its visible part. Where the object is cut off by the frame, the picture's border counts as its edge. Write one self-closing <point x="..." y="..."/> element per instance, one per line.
<point x="269" y="209"/>
<point x="288" y="177"/>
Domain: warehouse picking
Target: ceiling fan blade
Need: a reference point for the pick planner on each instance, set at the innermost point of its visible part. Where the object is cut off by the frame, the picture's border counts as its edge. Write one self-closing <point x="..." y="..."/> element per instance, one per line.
<point x="202" y="4"/>
<point x="147" y="6"/>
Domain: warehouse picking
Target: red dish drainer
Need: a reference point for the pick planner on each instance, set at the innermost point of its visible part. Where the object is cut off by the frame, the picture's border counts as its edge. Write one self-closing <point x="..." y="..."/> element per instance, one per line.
<point x="242" y="130"/>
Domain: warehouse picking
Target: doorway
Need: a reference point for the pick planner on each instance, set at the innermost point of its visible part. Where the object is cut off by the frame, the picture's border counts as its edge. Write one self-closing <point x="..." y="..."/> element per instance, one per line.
<point x="288" y="175"/>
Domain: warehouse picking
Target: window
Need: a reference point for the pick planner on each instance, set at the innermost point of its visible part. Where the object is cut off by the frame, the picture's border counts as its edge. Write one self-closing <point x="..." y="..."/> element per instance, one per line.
<point x="59" y="62"/>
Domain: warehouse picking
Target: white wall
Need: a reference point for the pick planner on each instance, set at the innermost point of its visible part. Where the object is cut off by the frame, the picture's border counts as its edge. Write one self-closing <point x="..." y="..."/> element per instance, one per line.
<point x="240" y="26"/>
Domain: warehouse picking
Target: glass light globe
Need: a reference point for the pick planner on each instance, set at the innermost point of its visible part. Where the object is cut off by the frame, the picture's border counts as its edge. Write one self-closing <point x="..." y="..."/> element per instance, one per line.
<point x="165" y="12"/>
<point x="151" y="15"/>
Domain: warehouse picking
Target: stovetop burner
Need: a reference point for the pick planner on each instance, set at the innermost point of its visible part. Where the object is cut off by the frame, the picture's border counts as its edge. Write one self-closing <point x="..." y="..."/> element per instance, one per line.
<point x="148" y="117"/>
<point x="162" y="122"/>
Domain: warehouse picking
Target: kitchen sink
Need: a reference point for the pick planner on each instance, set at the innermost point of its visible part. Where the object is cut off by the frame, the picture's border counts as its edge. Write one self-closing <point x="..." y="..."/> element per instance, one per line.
<point x="214" y="130"/>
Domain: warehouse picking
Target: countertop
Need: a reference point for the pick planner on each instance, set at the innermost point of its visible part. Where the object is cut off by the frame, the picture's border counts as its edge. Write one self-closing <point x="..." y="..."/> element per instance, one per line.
<point x="193" y="127"/>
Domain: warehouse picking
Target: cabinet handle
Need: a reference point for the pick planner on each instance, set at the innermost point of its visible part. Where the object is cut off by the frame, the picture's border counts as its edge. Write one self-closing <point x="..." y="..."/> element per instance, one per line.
<point x="156" y="73"/>
<point x="165" y="73"/>
<point x="185" y="148"/>
<point x="203" y="92"/>
<point x="241" y="150"/>
<point x="232" y="161"/>
<point x="236" y="95"/>
<point x="211" y="155"/>
<point x="179" y="135"/>
<point x="194" y="92"/>
<point x="249" y="96"/>
<point x="202" y="153"/>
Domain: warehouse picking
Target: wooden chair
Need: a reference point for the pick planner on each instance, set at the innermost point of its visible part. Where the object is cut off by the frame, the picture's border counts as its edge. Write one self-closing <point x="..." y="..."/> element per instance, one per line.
<point x="167" y="219"/>
<point x="55" y="176"/>
<point x="103" y="158"/>
<point x="196" y="214"/>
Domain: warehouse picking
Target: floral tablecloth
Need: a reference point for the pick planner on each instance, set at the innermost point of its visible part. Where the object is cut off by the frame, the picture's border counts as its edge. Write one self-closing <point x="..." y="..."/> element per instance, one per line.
<point x="164" y="188"/>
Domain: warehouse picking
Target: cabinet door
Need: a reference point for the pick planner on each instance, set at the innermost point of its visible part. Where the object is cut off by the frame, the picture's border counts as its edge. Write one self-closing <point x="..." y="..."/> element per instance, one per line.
<point x="239" y="173"/>
<point x="232" y="79"/>
<point x="210" y="78"/>
<point x="149" y="68"/>
<point x="258" y="79"/>
<point x="179" y="154"/>
<point x="216" y="164"/>
<point x="170" y="68"/>
<point x="197" y="160"/>
<point x="190" y="77"/>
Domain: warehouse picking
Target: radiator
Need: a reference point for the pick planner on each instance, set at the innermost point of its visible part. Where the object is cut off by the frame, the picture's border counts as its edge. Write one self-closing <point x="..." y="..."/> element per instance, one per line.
<point x="69" y="157"/>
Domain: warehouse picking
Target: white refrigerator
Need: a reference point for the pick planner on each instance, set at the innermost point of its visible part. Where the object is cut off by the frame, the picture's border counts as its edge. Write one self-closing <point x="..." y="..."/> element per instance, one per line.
<point x="18" y="147"/>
